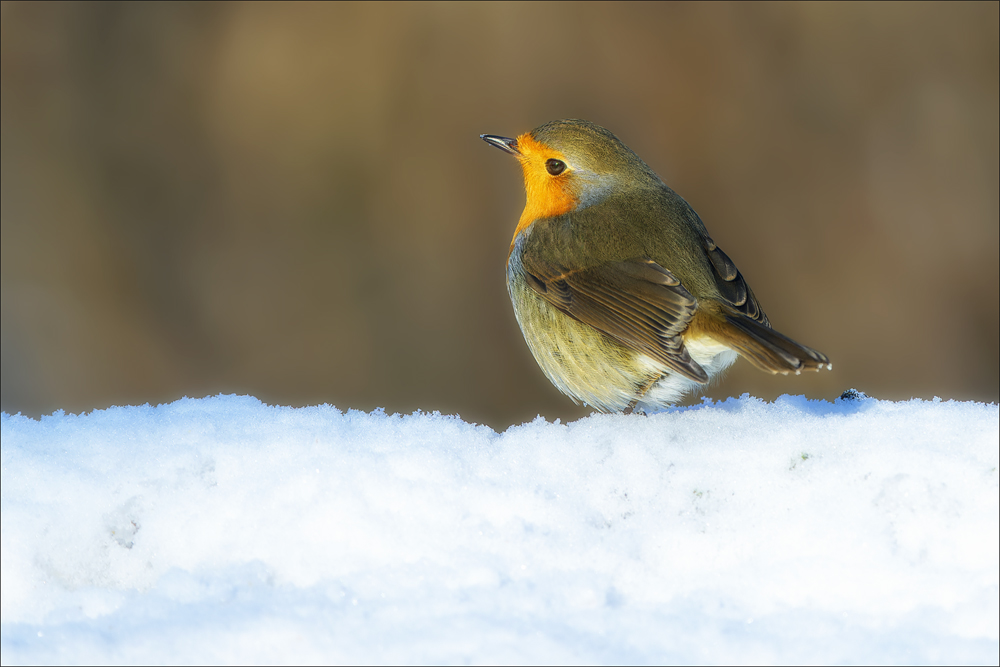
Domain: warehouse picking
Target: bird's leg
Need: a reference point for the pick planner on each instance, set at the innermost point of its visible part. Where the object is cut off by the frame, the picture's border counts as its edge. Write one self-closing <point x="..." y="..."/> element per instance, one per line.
<point x="638" y="397"/>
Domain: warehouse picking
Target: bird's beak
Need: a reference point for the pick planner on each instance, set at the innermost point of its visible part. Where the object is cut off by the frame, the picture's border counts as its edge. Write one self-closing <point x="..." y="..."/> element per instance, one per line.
<point x="503" y="143"/>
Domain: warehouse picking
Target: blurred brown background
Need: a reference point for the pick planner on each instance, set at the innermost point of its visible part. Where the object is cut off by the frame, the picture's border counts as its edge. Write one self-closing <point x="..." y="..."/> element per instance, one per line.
<point x="292" y="201"/>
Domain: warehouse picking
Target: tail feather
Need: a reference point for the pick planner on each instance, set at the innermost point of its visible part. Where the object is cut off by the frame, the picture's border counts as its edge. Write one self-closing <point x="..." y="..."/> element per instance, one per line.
<point x="764" y="347"/>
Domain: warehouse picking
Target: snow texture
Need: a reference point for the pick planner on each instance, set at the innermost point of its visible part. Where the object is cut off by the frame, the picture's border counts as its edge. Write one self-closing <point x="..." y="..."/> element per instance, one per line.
<point x="225" y="530"/>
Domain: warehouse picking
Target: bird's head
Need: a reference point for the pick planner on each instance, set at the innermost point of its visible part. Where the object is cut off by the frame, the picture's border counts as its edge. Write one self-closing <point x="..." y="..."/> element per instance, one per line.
<point x="571" y="164"/>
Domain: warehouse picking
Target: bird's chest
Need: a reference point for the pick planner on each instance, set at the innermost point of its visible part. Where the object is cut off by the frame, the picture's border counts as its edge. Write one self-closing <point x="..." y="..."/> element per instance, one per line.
<point x="579" y="360"/>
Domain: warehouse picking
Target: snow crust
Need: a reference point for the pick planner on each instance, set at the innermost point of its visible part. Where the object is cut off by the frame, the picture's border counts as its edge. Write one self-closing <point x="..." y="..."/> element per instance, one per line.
<point x="225" y="530"/>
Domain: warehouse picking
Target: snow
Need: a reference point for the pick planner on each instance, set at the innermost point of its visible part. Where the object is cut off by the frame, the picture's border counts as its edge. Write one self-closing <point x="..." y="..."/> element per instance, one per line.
<point x="225" y="530"/>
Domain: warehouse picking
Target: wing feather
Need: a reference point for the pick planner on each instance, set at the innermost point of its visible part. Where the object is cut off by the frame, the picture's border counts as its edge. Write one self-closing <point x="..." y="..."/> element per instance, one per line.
<point x="732" y="286"/>
<point x="637" y="302"/>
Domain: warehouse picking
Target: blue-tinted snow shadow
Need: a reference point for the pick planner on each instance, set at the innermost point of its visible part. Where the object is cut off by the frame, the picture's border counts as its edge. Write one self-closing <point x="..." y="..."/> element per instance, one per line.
<point x="850" y="402"/>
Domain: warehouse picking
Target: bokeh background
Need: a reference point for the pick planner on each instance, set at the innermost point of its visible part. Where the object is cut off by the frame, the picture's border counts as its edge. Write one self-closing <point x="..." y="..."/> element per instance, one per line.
<point x="292" y="201"/>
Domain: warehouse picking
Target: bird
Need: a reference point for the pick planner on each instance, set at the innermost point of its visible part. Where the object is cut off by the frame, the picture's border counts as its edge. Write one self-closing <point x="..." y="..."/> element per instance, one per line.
<point x="625" y="301"/>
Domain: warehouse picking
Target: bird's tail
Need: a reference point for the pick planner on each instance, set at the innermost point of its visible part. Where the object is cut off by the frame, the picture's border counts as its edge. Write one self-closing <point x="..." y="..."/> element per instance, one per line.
<point x="761" y="345"/>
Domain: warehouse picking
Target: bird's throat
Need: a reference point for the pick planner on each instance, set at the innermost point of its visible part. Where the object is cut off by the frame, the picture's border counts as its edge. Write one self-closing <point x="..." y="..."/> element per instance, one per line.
<point x="546" y="196"/>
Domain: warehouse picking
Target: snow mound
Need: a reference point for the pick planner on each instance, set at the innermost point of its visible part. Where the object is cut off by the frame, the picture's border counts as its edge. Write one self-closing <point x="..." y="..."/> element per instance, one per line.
<point x="225" y="530"/>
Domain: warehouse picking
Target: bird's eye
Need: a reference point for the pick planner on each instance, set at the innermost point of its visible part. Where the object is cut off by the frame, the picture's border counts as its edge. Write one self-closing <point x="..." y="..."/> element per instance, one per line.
<point x="555" y="167"/>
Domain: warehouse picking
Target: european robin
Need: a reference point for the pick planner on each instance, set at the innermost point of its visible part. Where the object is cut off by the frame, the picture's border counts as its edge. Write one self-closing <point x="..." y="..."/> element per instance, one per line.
<point x="622" y="296"/>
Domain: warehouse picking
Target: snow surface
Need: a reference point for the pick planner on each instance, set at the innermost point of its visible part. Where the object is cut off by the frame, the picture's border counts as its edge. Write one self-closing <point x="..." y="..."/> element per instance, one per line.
<point x="225" y="530"/>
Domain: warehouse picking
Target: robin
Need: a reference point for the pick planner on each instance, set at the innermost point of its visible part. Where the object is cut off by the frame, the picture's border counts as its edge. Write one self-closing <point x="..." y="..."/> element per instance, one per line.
<point x="624" y="299"/>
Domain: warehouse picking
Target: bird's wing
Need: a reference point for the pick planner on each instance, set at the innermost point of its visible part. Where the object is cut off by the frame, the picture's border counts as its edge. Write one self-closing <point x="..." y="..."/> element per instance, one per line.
<point x="637" y="302"/>
<point x="730" y="282"/>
